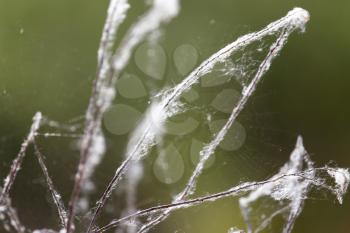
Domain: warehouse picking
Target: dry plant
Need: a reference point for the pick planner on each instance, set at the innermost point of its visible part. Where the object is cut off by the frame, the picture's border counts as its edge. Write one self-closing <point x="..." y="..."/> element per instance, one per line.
<point x="289" y="187"/>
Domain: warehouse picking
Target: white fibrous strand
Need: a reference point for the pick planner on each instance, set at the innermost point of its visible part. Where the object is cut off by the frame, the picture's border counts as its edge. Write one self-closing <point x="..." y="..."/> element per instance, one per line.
<point x="169" y="105"/>
<point x="234" y="191"/>
<point x="133" y="178"/>
<point x="290" y="185"/>
<point x="9" y="217"/>
<point x="284" y="193"/>
<point x="44" y="231"/>
<point x="59" y="135"/>
<point x="141" y="141"/>
<point x="153" y="126"/>
<point x="6" y="210"/>
<point x="162" y="11"/>
<point x="234" y="230"/>
<point x="341" y="178"/>
<point x="17" y="162"/>
<point x="295" y="19"/>
<point x="116" y="15"/>
<point x="71" y="127"/>
<point x="56" y="197"/>
<point x="290" y="194"/>
<point x="93" y="145"/>
<point x="292" y="190"/>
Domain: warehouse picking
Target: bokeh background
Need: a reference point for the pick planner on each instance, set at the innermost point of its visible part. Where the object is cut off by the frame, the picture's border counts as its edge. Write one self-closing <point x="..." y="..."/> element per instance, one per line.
<point x="48" y="62"/>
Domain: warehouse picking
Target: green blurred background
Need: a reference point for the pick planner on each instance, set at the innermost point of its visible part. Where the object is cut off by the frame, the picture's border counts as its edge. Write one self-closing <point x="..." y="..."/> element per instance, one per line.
<point x="48" y="61"/>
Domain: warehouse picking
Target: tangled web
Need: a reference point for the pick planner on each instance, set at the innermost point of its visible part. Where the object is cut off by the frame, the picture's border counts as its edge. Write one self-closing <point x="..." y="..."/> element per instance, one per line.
<point x="244" y="62"/>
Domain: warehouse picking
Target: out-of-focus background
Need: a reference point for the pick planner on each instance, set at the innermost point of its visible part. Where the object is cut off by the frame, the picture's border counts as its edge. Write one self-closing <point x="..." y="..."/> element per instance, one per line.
<point x="48" y="62"/>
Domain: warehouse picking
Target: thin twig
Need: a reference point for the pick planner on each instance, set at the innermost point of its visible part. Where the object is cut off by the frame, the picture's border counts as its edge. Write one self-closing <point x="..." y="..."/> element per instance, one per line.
<point x="162" y="11"/>
<point x="170" y="100"/>
<point x="17" y="162"/>
<point x="234" y="191"/>
<point x="100" y="100"/>
<point x="209" y="149"/>
<point x="10" y="217"/>
<point x="55" y="195"/>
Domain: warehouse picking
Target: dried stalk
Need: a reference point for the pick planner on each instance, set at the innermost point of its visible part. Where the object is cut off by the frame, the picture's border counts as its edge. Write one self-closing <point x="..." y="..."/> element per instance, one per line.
<point x="5" y="201"/>
<point x="289" y="26"/>
<point x="237" y="190"/>
<point x="16" y="164"/>
<point x="161" y="12"/>
<point x="92" y="143"/>
<point x="292" y="178"/>
<point x="295" y="19"/>
<point x="55" y="195"/>
<point x="232" y="192"/>
<point x="9" y="217"/>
